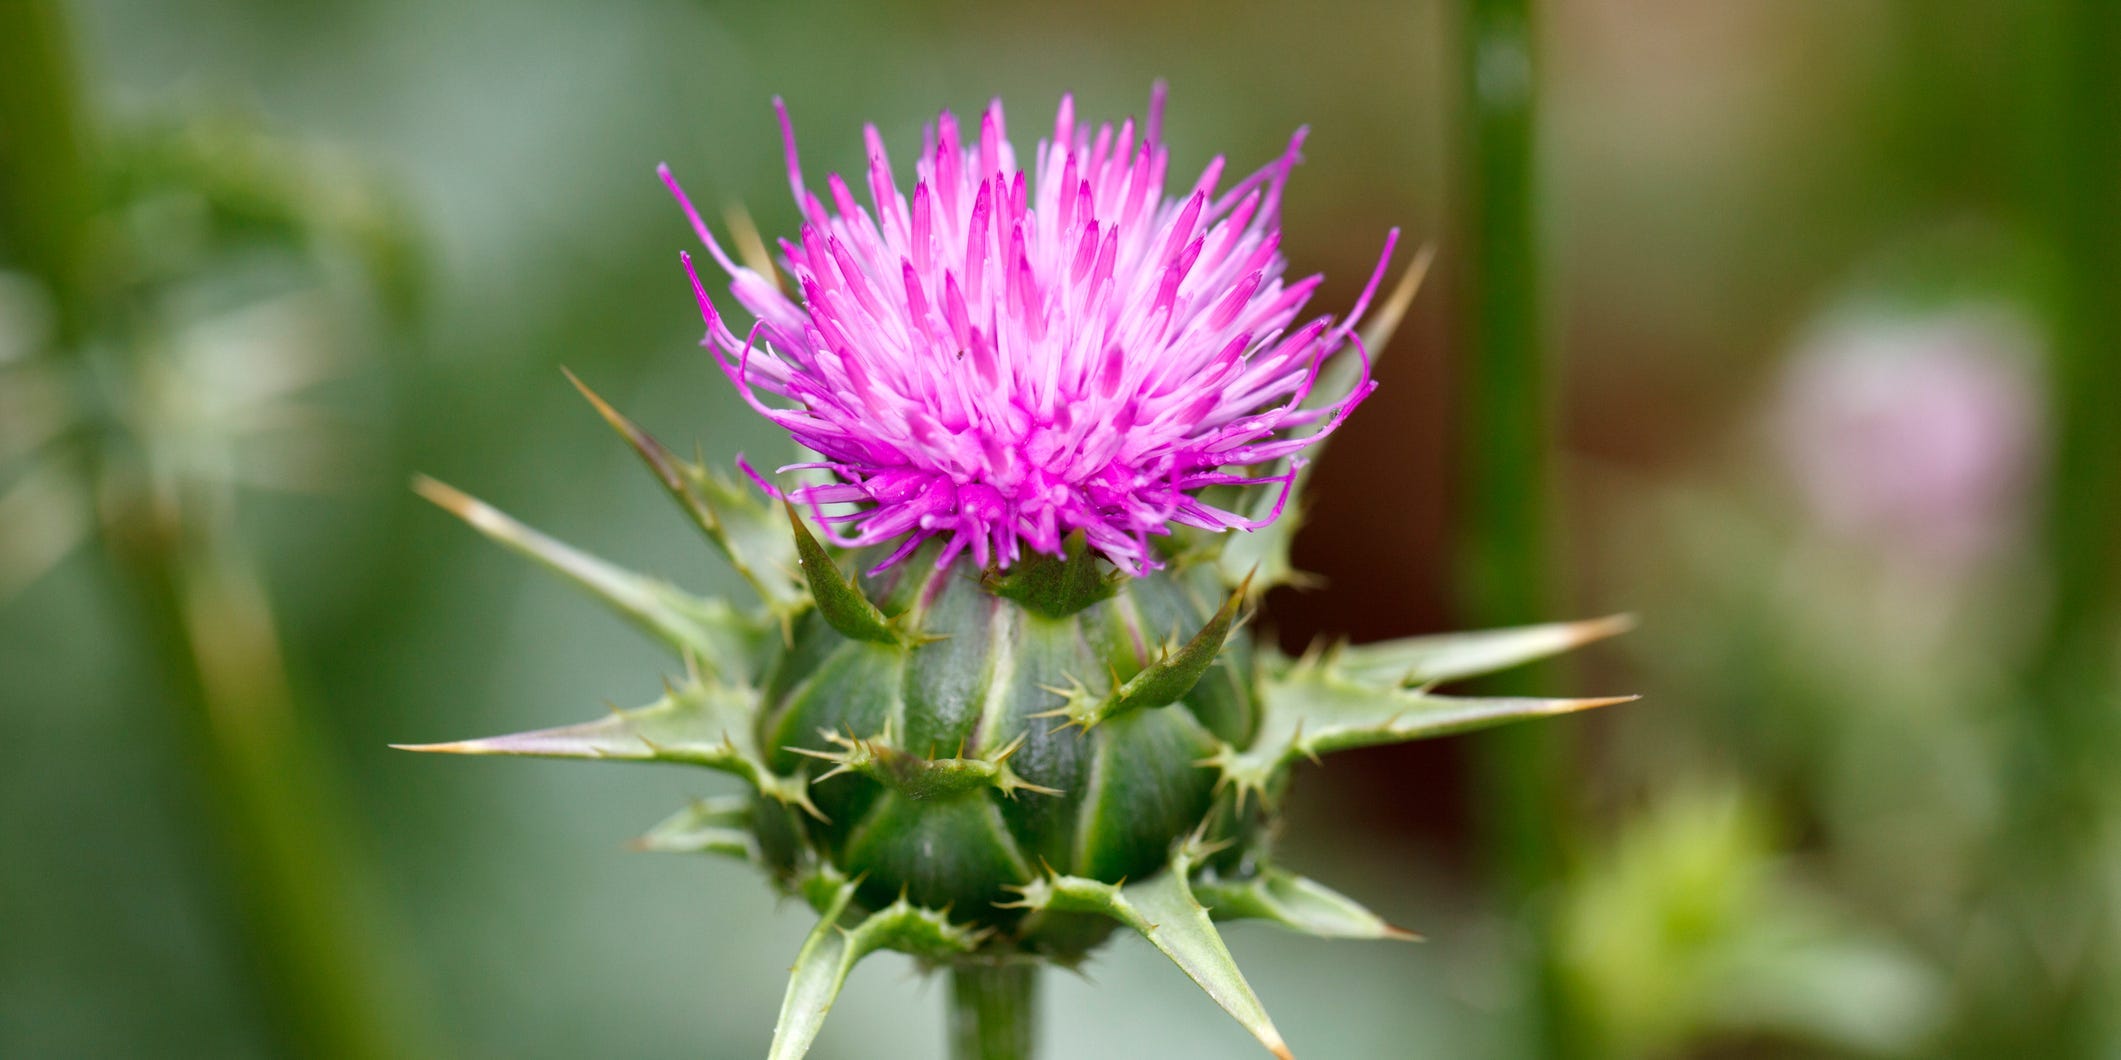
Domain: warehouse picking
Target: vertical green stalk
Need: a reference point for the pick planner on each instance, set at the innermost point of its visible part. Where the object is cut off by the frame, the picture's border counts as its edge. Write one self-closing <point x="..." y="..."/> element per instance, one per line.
<point x="45" y="190"/>
<point x="993" y="1011"/>
<point x="2080" y="210"/>
<point x="2058" y="850"/>
<point x="1503" y="436"/>
<point x="1503" y="444"/>
<point x="318" y="950"/>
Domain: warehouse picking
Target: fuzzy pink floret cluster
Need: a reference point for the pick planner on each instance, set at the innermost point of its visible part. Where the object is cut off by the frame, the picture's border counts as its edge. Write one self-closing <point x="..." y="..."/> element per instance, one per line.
<point x="1003" y="357"/>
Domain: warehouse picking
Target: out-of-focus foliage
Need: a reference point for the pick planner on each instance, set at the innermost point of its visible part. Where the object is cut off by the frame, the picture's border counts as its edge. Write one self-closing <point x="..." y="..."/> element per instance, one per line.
<point x="170" y="353"/>
<point x="1688" y="930"/>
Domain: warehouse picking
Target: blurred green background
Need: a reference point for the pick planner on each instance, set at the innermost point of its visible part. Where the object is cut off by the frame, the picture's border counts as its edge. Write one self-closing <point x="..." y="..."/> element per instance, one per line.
<point x="1785" y="325"/>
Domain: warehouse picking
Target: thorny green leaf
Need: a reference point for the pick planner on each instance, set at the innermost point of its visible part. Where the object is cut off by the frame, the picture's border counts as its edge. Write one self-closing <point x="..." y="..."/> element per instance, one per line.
<point x="1162" y="908"/>
<point x="707" y="826"/>
<point x="1444" y="657"/>
<point x="1294" y="902"/>
<point x="694" y="723"/>
<point x="1057" y="586"/>
<point x="1162" y="682"/>
<point x="832" y="950"/>
<point x="839" y="600"/>
<point x="920" y="777"/>
<point x="1311" y="707"/>
<point x="706" y="632"/>
<point x="741" y="526"/>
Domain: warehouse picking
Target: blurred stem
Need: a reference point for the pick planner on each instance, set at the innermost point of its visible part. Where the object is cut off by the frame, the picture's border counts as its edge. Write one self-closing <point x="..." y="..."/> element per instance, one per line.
<point x="319" y="958"/>
<point x="2059" y="847"/>
<point x="1503" y="438"/>
<point x="2081" y="212"/>
<point x="993" y="1011"/>
<point x="45" y="192"/>
<point x="1502" y="445"/>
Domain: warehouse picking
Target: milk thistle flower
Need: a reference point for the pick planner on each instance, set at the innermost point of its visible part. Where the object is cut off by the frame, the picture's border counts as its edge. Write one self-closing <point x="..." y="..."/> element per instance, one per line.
<point x="1006" y="357"/>
<point x="1037" y="404"/>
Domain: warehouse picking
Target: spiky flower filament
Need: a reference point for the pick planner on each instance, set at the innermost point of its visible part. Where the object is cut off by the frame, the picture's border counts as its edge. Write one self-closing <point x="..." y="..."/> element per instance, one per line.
<point x="1001" y="358"/>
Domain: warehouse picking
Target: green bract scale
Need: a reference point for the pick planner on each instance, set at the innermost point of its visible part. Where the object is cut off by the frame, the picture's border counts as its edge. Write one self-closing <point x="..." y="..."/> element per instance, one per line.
<point x="976" y="730"/>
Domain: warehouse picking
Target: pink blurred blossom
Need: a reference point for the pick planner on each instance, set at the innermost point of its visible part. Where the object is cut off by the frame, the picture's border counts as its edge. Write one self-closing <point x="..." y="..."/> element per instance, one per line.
<point x="1917" y="434"/>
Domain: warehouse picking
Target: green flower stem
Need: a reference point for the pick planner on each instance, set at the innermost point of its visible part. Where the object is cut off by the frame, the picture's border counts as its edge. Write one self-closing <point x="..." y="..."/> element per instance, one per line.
<point x="993" y="1011"/>
<point x="321" y="958"/>
<point x="1503" y="443"/>
<point x="2057" y="847"/>
<point x="45" y="191"/>
<point x="2078" y="124"/>
<point x="1504" y="434"/>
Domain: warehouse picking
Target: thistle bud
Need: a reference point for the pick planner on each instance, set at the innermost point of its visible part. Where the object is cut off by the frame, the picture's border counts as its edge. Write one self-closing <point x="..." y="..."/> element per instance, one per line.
<point x="997" y="698"/>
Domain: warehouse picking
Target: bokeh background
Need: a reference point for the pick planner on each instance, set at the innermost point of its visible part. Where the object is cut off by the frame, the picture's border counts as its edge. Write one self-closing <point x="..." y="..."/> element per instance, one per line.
<point x="1784" y="325"/>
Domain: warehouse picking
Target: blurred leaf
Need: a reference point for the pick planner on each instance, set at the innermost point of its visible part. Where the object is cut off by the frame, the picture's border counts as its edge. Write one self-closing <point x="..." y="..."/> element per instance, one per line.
<point x="1684" y="927"/>
<point x="1830" y="980"/>
<point x="43" y="516"/>
<point x="34" y="406"/>
<point x="257" y="188"/>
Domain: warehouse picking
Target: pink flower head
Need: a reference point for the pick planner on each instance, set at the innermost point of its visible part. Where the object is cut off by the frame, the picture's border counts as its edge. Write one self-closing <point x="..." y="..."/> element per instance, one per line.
<point x="1004" y="357"/>
<point x="1916" y="434"/>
